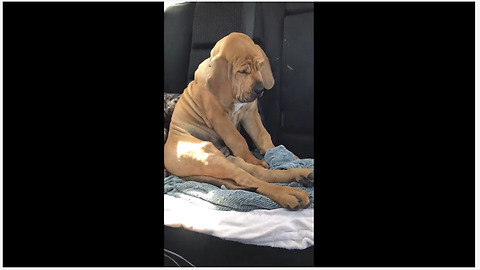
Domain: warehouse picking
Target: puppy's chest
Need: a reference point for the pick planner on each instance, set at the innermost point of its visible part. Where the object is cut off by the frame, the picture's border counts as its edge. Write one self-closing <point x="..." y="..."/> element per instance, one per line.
<point x="239" y="110"/>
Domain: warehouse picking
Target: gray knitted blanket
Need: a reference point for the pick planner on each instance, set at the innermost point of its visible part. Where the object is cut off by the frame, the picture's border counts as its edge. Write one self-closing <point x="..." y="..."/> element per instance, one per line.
<point x="222" y="198"/>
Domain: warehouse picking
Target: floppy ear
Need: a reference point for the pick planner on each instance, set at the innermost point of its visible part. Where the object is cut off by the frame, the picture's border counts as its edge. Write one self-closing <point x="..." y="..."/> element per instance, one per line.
<point x="218" y="80"/>
<point x="267" y="76"/>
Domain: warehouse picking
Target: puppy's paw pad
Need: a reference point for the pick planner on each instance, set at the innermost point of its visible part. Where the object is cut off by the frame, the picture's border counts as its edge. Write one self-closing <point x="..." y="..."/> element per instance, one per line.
<point x="309" y="203"/>
<point x="296" y="208"/>
<point x="306" y="181"/>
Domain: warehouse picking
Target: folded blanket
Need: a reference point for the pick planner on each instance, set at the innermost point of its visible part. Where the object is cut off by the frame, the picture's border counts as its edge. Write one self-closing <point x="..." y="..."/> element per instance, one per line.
<point x="222" y="198"/>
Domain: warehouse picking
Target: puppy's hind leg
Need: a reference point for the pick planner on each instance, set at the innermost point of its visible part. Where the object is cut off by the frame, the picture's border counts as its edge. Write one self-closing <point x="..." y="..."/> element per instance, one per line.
<point x="194" y="159"/>
<point x="205" y="160"/>
<point x="218" y="182"/>
<point x="303" y="176"/>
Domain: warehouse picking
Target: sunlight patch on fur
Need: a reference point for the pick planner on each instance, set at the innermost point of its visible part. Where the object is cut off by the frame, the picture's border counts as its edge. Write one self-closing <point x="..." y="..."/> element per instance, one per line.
<point x="193" y="150"/>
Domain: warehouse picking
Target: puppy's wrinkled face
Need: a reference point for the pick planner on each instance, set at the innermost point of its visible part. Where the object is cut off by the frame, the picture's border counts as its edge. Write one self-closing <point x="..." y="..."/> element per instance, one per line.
<point x="249" y="71"/>
<point x="247" y="80"/>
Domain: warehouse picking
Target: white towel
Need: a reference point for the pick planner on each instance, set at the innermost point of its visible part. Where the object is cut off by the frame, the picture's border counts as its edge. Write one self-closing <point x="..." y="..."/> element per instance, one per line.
<point x="279" y="228"/>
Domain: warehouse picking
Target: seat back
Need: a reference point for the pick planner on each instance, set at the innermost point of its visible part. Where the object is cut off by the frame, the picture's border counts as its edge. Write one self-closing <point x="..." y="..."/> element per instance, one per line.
<point x="288" y="108"/>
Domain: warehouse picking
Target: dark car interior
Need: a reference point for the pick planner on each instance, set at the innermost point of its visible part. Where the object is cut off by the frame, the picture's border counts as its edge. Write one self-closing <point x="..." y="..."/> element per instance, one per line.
<point x="285" y="33"/>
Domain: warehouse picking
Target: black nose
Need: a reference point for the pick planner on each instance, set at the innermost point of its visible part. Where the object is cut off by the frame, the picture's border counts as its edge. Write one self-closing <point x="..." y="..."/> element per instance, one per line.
<point x="258" y="88"/>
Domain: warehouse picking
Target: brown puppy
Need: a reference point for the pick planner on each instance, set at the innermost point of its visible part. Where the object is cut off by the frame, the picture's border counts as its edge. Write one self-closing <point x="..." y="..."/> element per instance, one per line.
<point x="222" y="95"/>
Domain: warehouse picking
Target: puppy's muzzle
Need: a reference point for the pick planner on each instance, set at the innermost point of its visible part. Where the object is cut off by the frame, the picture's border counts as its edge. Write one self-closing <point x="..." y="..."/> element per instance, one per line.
<point x="259" y="89"/>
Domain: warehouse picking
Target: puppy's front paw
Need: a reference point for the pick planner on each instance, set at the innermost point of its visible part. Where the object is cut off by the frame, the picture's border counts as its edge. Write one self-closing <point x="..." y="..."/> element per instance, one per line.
<point x="255" y="161"/>
<point x="304" y="176"/>
<point x="296" y="200"/>
<point x="307" y="181"/>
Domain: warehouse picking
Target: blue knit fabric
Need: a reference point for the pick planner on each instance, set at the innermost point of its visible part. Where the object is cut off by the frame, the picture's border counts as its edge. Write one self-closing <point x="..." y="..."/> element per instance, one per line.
<point x="222" y="198"/>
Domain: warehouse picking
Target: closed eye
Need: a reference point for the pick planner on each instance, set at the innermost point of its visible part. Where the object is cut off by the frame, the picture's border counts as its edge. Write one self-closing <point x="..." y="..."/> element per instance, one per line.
<point x="245" y="69"/>
<point x="259" y="65"/>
